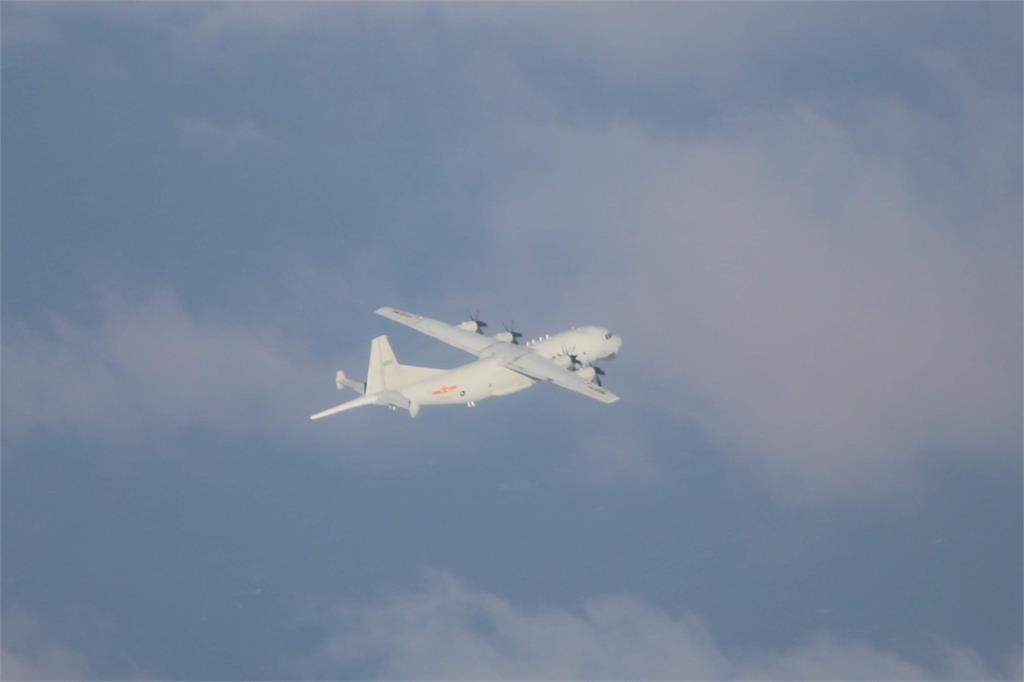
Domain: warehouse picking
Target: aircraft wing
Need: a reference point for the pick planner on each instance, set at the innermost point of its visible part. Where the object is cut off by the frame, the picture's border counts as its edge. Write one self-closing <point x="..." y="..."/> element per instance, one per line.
<point x="471" y="342"/>
<point x="540" y="368"/>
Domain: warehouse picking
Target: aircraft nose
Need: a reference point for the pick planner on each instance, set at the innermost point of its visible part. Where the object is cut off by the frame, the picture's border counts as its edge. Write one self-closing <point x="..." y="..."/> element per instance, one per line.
<point x="616" y="344"/>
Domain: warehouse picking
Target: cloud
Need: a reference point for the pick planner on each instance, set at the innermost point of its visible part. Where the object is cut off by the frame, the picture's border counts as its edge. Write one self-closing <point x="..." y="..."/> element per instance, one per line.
<point x="449" y="631"/>
<point x="50" y="662"/>
<point x="706" y="43"/>
<point x="831" y="292"/>
<point x="152" y="377"/>
<point x="826" y="277"/>
<point x="30" y="651"/>
<point x="27" y="655"/>
<point x="150" y="367"/>
<point x="790" y="280"/>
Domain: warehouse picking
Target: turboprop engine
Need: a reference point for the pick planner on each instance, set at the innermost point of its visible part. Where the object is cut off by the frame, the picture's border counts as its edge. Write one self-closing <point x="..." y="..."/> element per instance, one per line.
<point x="510" y="334"/>
<point x="588" y="373"/>
<point x="474" y="323"/>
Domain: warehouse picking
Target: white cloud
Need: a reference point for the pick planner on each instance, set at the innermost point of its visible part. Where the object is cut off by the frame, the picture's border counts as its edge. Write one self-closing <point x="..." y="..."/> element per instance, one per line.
<point x="26" y="654"/>
<point x="150" y="367"/>
<point x="451" y="632"/>
<point x="31" y="652"/>
<point x="696" y="42"/>
<point x="50" y="662"/>
<point x="832" y="292"/>
<point x="789" y="282"/>
<point x="828" y="296"/>
<point x="146" y="378"/>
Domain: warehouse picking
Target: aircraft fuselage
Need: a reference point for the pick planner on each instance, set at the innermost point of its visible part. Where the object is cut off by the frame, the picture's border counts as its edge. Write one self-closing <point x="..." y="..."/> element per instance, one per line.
<point x="467" y="384"/>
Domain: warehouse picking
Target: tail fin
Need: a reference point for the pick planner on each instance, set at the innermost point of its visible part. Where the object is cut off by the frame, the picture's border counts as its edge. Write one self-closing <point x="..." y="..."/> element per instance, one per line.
<point x="382" y="374"/>
<point x="385" y="374"/>
<point x="383" y="379"/>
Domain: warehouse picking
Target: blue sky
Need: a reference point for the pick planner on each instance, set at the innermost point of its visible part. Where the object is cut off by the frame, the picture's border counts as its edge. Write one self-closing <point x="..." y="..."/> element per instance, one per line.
<point x="805" y="221"/>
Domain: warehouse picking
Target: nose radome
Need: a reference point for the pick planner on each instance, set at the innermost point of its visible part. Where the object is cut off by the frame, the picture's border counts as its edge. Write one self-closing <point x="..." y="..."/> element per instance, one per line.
<point x="617" y="340"/>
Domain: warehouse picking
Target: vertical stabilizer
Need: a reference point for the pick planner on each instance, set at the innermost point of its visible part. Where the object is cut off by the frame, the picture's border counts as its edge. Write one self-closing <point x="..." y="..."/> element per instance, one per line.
<point x="383" y="373"/>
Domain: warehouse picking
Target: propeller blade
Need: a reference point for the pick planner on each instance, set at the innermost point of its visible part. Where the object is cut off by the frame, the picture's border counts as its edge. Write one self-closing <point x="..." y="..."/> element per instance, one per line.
<point x="511" y="330"/>
<point x="475" y="319"/>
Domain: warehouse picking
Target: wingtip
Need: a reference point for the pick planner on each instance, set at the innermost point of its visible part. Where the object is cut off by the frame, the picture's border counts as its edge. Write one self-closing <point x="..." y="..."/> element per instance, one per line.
<point x="398" y="315"/>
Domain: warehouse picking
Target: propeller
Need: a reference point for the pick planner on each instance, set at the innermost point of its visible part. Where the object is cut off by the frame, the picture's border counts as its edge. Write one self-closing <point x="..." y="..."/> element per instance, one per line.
<point x="575" y="364"/>
<point x="480" y="324"/>
<point x="474" y="323"/>
<point x="513" y="334"/>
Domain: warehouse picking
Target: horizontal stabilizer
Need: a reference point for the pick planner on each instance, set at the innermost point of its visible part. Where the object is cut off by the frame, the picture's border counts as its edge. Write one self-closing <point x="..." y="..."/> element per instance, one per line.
<point x="352" y="404"/>
<point x="342" y="381"/>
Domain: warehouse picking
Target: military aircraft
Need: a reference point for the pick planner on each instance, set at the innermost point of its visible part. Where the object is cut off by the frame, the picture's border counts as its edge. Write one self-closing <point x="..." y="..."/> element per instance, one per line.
<point x="503" y="366"/>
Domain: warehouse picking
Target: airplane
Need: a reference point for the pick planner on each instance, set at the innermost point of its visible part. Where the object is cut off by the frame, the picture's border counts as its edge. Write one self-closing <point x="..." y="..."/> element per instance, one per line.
<point x="503" y="366"/>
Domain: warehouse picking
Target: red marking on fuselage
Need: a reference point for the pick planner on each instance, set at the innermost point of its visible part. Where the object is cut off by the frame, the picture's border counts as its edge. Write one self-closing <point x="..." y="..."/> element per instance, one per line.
<point x="444" y="389"/>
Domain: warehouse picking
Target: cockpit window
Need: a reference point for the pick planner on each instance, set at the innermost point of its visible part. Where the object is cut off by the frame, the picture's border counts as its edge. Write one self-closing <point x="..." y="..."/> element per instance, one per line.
<point x="607" y="335"/>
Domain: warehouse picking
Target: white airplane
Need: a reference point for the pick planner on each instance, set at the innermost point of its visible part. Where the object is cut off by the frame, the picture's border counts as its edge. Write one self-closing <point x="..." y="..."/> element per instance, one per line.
<point x="503" y="366"/>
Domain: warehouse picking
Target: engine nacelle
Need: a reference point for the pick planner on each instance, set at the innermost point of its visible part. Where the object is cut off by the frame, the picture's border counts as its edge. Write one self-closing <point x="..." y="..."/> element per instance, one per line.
<point x="470" y="325"/>
<point x="563" y="361"/>
<point x="586" y="373"/>
<point x="505" y="336"/>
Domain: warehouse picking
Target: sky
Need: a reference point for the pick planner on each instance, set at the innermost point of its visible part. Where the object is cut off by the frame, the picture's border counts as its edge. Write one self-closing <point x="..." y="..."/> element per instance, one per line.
<point x="803" y="219"/>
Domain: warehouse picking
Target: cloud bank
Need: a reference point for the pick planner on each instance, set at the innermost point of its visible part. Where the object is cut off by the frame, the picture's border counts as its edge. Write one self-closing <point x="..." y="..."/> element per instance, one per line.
<point x="823" y="307"/>
<point x="824" y="276"/>
<point x="449" y="631"/>
<point x="27" y="654"/>
<point x="150" y="367"/>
